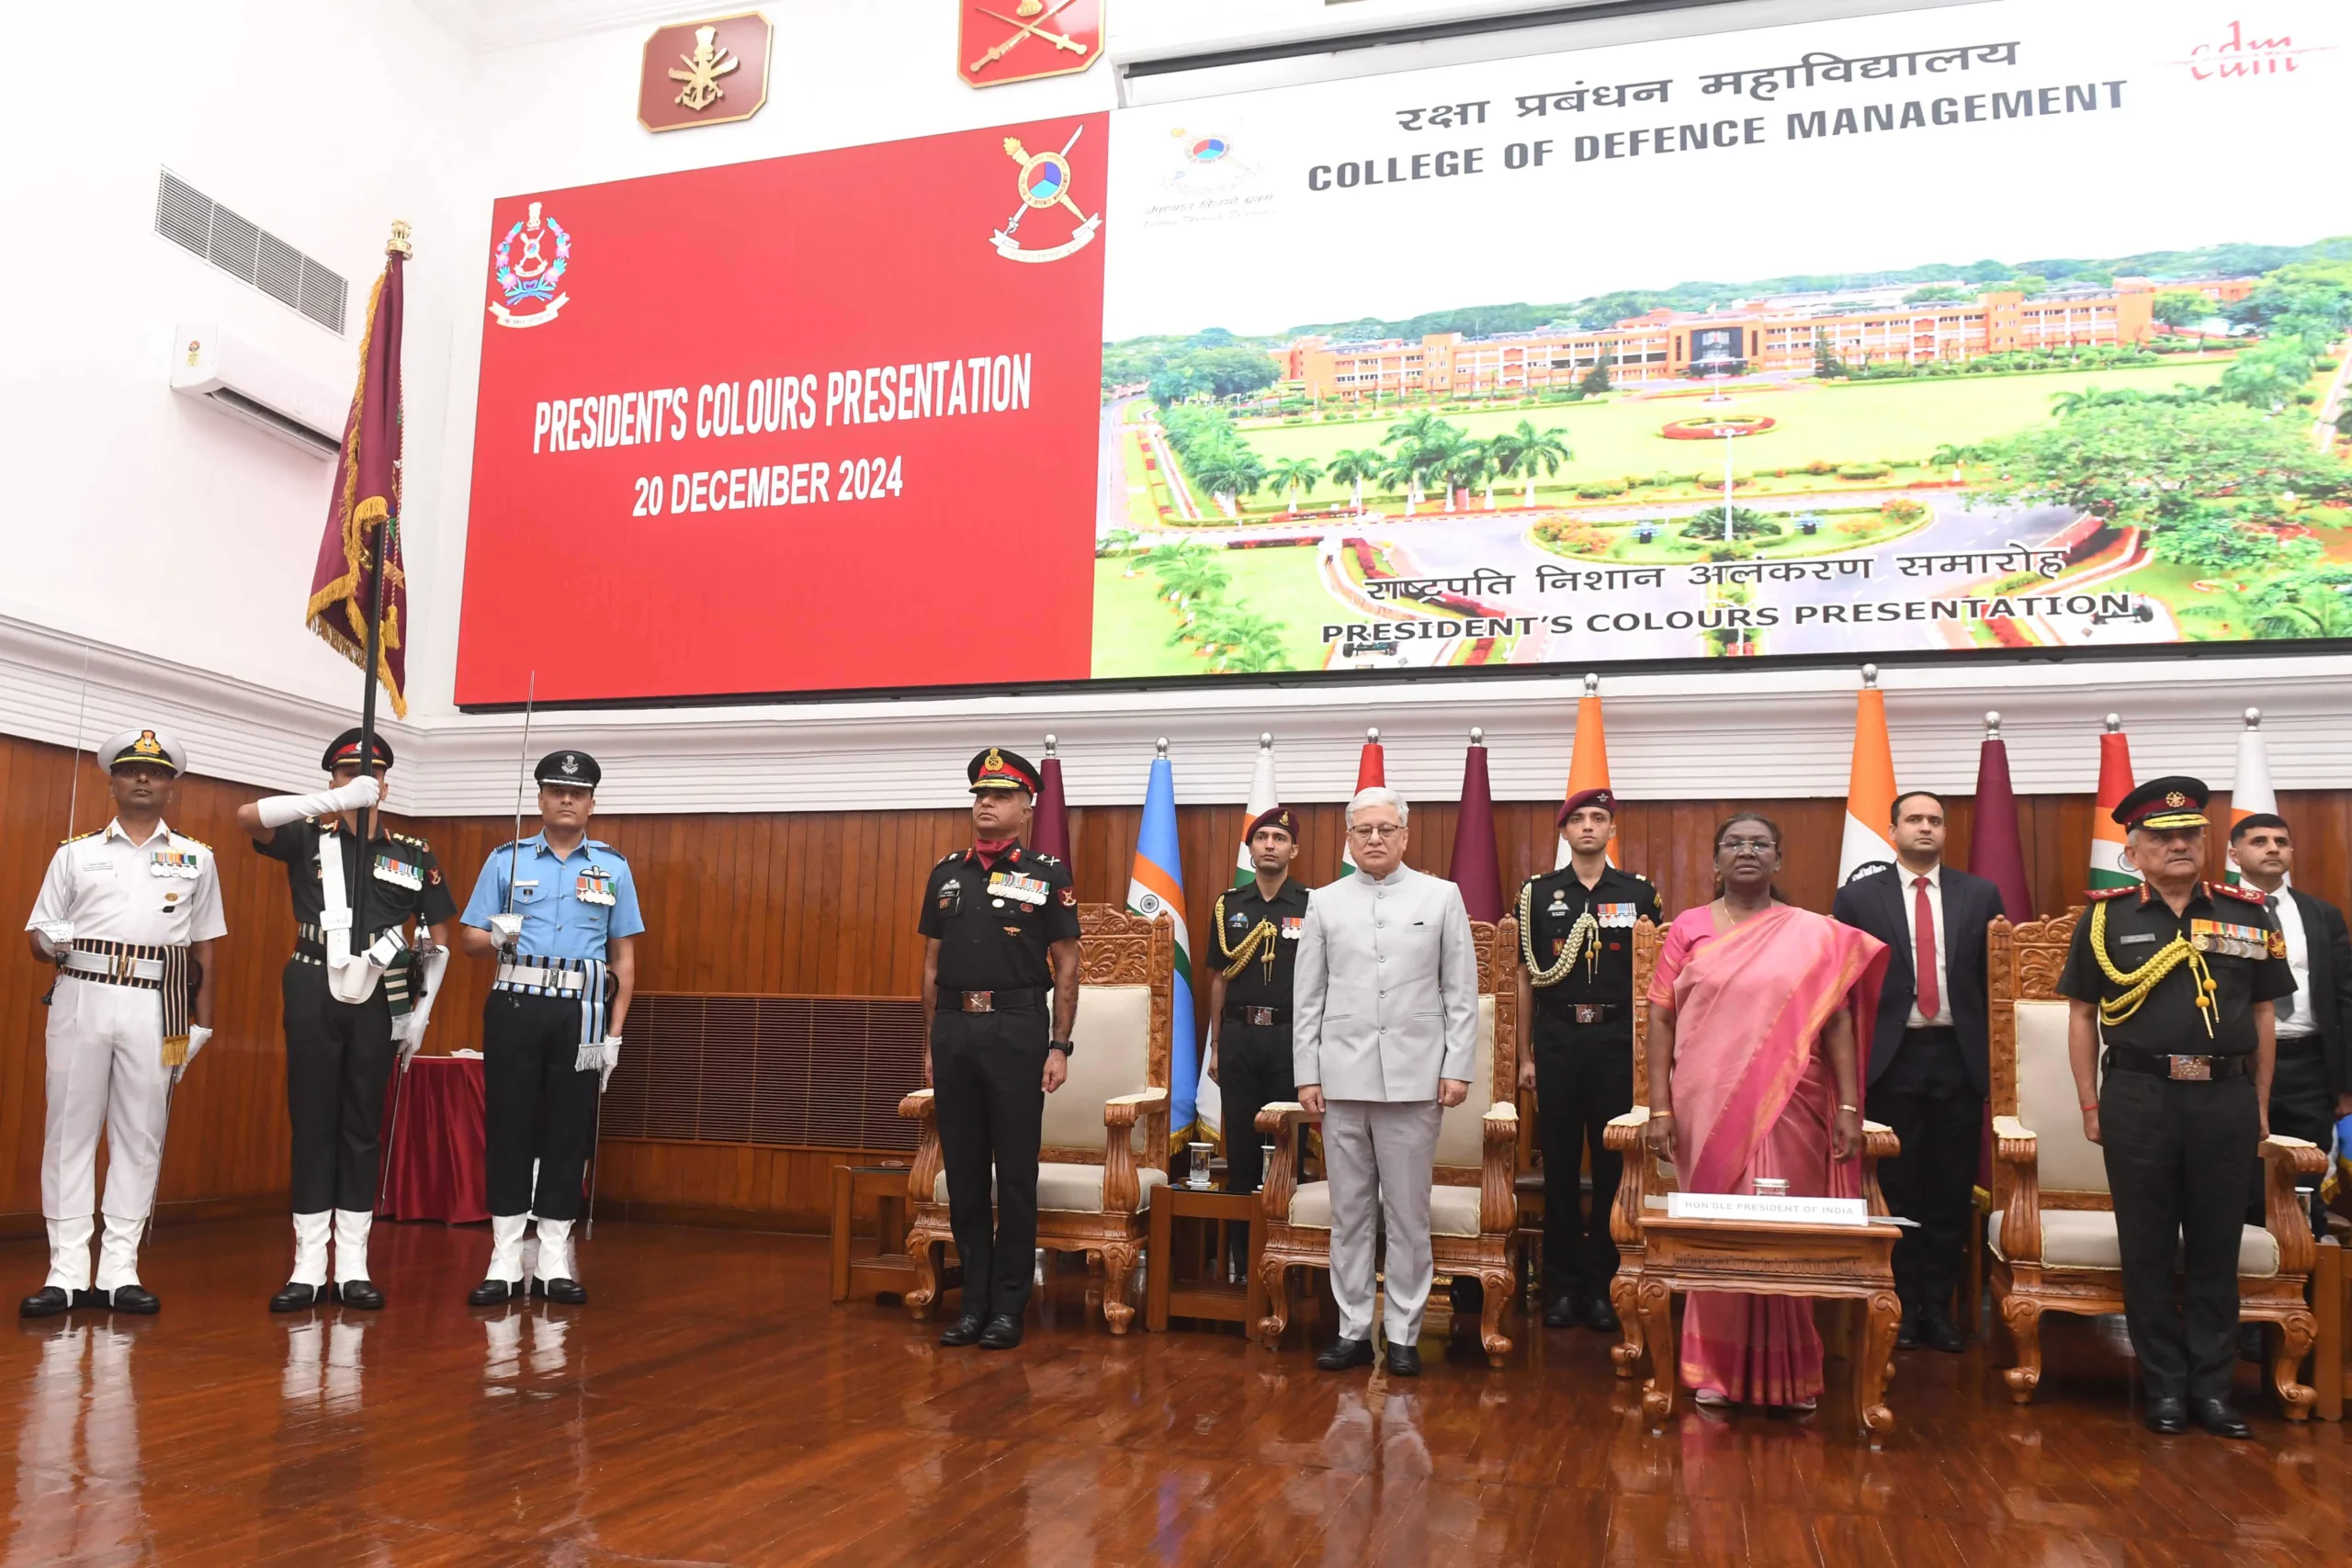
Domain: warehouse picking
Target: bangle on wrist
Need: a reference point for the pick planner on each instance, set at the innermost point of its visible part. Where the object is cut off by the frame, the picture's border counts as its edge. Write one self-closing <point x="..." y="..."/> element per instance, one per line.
<point x="2092" y="1106"/>
<point x="1855" y="1108"/>
<point x="1661" y="1115"/>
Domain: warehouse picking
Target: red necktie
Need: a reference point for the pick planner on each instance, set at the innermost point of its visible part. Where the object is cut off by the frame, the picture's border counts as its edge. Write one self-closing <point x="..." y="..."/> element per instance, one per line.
<point x="1923" y="948"/>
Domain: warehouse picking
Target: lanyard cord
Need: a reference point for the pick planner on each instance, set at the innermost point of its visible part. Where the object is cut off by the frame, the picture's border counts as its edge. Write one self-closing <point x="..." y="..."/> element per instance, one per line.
<point x="1584" y="940"/>
<point x="2138" y="983"/>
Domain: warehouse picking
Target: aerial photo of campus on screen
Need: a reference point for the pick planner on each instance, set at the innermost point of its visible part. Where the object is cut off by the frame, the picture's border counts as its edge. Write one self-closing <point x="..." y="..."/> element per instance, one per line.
<point x="2077" y="453"/>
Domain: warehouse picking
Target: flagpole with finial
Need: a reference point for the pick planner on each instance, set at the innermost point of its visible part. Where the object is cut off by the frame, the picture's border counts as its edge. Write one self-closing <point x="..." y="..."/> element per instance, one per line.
<point x="397" y="250"/>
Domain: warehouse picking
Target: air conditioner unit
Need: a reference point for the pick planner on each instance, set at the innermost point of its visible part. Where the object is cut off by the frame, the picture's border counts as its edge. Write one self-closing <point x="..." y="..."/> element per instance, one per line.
<point x="252" y="385"/>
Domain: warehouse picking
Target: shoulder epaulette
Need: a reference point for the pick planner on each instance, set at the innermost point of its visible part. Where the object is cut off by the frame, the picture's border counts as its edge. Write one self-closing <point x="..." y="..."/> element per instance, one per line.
<point x="410" y="839"/>
<point x="2238" y="890"/>
<point x="1042" y="858"/>
<point x="952" y="854"/>
<point x="199" y="843"/>
<point x="79" y="837"/>
<point x="2101" y="894"/>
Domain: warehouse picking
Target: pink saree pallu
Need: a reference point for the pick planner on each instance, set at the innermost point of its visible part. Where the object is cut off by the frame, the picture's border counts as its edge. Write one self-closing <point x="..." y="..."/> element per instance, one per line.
<point x="1755" y="1097"/>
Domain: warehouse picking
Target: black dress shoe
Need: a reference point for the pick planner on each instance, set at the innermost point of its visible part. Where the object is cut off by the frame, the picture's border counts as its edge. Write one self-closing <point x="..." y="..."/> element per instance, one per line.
<point x="1907" y="1333"/>
<point x="1404" y="1361"/>
<point x="495" y="1292"/>
<point x="1940" y="1333"/>
<point x="136" y="1299"/>
<point x="2168" y="1416"/>
<point x="2216" y="1416"/>
<point x="1344" y="1354"/>
<point x="562" y="1293"/>
<point x="1601" y="1318"/>
<point x="1566" y="1311"/>
<point x="360" y="1293"/>
<point x="965" y="1330"/>
<point x="297" y="1297"/>
<point x="1003" y="1333"/>
<point x="47" y="1301"/>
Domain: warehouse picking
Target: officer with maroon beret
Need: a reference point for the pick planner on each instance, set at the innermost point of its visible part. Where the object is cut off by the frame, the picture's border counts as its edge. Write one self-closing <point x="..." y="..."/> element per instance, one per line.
<point x="1258" y="927"/>
<point x="1576" y="1049"/>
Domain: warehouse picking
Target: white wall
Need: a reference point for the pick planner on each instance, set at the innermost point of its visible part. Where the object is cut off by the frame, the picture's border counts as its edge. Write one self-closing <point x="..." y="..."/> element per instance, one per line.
<point x="181" y="543"/>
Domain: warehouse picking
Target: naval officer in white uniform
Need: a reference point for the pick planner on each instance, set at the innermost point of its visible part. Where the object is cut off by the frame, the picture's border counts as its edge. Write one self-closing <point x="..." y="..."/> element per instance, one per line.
<point x="129" y="915"/>
<point x="1385" y="1031"/>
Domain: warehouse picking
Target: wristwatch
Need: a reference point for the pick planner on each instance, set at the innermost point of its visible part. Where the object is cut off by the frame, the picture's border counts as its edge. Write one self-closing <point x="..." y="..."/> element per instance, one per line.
<point x="1062" y="1046"/>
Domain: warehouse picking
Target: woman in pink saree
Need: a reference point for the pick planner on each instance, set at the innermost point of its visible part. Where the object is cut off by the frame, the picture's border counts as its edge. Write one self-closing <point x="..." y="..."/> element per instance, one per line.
<point x="1755" y="1074"/>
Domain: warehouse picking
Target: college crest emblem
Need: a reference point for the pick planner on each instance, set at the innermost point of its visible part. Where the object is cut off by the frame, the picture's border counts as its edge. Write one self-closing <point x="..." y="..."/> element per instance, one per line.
<point x="1043" y="184"/>
<point x="528" y="275"/>
<point x="999" y="41"/>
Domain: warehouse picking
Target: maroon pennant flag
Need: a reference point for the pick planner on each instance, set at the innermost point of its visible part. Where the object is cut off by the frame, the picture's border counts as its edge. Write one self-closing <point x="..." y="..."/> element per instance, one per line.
<point x="1476" y="869"/>
<point x="366" y="500"/>
<point x="1050" y="830"/>
<point x="1996" y="850"/>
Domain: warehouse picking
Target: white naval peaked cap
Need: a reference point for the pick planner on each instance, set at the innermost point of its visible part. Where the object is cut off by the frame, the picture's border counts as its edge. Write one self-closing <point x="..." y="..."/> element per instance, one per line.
<point x="143" y="746"/>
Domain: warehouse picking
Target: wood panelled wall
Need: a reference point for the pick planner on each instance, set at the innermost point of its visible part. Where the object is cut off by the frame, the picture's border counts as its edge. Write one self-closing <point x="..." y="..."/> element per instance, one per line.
<point x="816" y="903"/>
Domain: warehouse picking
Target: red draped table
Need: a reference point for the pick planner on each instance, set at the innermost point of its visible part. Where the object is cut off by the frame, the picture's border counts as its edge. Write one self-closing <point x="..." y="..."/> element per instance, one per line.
<point x="434" y="1164"/>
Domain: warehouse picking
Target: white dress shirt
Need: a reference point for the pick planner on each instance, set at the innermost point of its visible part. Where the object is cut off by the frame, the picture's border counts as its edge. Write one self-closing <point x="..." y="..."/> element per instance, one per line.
<point x="1943" y="1019"/>
<point x="162" y="893"/>
<point x="2295" y="1020"/>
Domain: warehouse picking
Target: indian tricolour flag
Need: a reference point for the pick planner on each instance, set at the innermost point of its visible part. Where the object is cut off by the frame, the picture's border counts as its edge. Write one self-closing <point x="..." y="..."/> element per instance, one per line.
<point x="1869" y="840"/>
<point x="1263" y="797"/>
<point x="2108" y="867"/>
<point x="1156" y="888"/>
<point x="1371" y="770"/>
<point x="2250" y="791"/>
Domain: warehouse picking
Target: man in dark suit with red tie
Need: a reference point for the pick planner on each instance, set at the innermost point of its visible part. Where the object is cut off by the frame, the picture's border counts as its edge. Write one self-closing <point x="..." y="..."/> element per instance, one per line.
<point x="1929" y="1066"/>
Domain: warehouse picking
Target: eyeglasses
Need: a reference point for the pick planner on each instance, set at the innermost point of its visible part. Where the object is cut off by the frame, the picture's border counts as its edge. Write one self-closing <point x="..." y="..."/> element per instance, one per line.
<point x="1377" y="830"/>
<point x="1747" y="846"/>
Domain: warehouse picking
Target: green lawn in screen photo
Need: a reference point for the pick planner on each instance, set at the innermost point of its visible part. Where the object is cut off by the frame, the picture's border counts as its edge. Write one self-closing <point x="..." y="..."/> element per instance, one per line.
<point x="1132" y="623"/>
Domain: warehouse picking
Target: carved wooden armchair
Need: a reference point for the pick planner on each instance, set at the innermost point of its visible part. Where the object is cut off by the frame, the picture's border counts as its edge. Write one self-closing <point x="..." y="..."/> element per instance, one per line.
<point x="1472" y="1207"/>
<point x="1649" y="1180"/>
<point x="2053" y="1226"/>
<point x="1104" y="1144"/>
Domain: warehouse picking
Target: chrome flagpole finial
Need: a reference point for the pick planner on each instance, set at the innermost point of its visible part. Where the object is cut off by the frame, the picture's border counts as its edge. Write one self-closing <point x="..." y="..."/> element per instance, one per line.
<point x="1870" y="677"/>
<point x="2114" y="722"/>
<point x="1050" y="745"/>
<point x="1992" y="726"/>
<point x="2254" y="718"/>
<point x="1159" y="747"/>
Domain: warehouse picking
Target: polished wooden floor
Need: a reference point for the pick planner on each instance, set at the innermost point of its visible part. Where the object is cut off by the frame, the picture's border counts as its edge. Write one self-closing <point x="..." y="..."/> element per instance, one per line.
<point x="709" y="1406"/>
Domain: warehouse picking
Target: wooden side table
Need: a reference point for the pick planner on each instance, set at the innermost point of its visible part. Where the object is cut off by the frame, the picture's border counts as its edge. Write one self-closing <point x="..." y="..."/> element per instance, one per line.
<point x="888" y="1271"/>
<point x="1769" y="1259"/>
<point x="1194" y="1296"/>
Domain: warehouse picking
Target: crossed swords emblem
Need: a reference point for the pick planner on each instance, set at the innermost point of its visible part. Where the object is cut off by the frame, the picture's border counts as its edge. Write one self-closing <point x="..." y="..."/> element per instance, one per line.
<point x="1027" y="30"/>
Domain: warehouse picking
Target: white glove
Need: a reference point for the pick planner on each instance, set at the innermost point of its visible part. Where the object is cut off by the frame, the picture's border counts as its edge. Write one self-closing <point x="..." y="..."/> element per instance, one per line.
<point x="601" y="1059"/>
<point x="507" y="928"/>
<point x="278" y="810"/>
<point x="55" y="935"/>
<point x="409" y="1029"/>
<point x="199" y="1036"/>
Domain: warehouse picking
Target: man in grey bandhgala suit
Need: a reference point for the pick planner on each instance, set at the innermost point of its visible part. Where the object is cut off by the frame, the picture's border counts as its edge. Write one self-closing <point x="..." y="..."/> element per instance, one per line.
<point x="1385" y="1031"/>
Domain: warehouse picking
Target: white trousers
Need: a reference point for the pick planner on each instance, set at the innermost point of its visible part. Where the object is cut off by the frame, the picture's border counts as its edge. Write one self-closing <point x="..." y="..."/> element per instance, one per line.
<point x="106" y="1072"/>
<point x="1379" y="1155"/>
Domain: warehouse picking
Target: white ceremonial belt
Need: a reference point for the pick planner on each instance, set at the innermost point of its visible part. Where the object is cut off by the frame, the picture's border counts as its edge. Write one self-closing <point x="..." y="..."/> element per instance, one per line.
<point x="110" y="966"/>
<point x="515" y="974"/>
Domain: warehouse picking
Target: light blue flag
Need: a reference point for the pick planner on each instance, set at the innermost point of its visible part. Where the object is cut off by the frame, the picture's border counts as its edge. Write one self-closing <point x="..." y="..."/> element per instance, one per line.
<point x="1156" y="886"/>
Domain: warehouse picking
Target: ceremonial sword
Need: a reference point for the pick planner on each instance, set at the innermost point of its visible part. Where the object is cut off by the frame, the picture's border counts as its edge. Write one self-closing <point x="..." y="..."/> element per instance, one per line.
<point x="73" y="802"/>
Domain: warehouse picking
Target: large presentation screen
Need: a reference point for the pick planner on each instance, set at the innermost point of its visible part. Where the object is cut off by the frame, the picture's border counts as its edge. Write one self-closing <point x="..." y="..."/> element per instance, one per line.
<point x="1981" y="328"/>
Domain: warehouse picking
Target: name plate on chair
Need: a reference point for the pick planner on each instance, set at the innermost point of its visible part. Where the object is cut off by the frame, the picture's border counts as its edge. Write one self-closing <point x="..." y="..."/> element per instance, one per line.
<point x="1749" y="1209"/>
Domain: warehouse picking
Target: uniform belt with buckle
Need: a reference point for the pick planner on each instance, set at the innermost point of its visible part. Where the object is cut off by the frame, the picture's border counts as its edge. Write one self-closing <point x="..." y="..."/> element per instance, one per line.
<point x="990" y="1001"/>
<point x="1586" y="1013"/>
<point x="2181" y="1069"/>
<point x="117" y="968"/>
<point x="1257" y="1017"/>
<point x="515" y="975"/>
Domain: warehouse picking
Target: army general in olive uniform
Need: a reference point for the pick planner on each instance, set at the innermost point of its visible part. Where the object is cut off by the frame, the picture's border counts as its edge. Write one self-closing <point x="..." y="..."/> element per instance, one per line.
<point x="2171" y="985"/>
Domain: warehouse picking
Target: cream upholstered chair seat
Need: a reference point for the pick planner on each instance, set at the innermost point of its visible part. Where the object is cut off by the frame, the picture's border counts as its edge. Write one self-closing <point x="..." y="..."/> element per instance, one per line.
<point x="2085" y="1238"/>
<point x="2052" y="1227"/>
<point x="1102" y="1142"/>
<point x="1063" y="1185"/>
<point x="1473" y="1208"/>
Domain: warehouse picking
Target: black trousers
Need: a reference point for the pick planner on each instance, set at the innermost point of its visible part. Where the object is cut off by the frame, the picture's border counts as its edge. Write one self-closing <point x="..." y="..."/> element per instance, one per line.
<point x="536" y="1105"/>
<point x="338" y="1058"/>
<point x="1937" y="1114"/>
<point x="1584" y="1077"/>
<point x="1253" y="1071"/>
<point x="987" y="1073"/>
<point x="2169" y="1149"/>
<point x="2302" y="1105"/>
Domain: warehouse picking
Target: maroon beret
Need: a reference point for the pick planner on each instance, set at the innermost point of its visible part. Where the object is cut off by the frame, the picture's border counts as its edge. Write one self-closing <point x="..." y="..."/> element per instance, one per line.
<point x="1601" y="797"/>
<point x="1275" y="817"/>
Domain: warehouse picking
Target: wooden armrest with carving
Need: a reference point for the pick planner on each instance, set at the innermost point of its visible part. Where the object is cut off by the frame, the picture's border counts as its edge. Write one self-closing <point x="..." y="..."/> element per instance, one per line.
<point x="1626" y="1135"/>
<point x="1122" y="1189"/>
<point x="1623" y="1134"/>
<point x="1281" y="1120"/>
<point x="922" y="1175"/>
<point x="2283" y="1160"/>
<point x="2016" y="1145"/>
<point x="1498" y="1190"/>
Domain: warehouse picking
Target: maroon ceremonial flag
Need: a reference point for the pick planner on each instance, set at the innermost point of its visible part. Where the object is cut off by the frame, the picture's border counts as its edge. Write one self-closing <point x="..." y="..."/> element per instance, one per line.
<point x="1996" y="853"/>
<point x="1050" y="831"/>
<point x="365" y="505"/>
<point x="1477" y="871"/>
